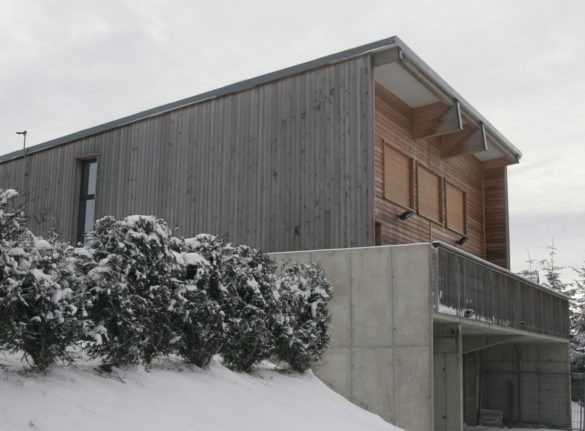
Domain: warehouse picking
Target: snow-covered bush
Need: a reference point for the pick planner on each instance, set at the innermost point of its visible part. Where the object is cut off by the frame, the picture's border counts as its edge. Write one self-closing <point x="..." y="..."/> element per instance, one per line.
<point x="251" y="309"/>
<point x="38" y="306"/>
<point x="130" y="284"/>
<point x="199" y="320"/>
<point x="302" y="334"/>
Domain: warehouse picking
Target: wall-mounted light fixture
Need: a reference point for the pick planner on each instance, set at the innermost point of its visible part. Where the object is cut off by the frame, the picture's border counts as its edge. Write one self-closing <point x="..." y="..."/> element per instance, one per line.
<point x="462" y="240"/>
<point x="405" y="214"/>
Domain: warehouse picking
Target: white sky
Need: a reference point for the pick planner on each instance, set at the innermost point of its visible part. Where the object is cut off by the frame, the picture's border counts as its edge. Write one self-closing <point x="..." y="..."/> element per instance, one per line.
<point x="66" y="66"/>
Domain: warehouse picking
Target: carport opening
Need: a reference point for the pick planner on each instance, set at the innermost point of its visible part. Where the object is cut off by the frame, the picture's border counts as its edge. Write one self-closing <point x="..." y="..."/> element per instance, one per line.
<point x="516" y="384"/>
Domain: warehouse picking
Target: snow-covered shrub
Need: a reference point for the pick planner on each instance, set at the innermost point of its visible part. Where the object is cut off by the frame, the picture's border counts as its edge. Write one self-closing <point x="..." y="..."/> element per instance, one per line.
<point x="130" y="284"/>
<point x="38" y="305"/>
<point x="302" y="333"/>
<point x="251" y="309"/>
<point x="14" y="258"/>
<point x="199" y="315"/>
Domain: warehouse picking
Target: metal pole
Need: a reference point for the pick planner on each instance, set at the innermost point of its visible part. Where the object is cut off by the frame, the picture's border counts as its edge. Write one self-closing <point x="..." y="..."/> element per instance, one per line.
<point x="24" y="193"/>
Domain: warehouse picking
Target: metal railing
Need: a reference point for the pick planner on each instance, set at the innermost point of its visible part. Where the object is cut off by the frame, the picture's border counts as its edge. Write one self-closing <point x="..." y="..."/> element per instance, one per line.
<point x="471" y="288"/>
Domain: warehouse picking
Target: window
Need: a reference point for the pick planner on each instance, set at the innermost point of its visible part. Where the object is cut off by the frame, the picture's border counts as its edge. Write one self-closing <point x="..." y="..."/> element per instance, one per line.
<point x="455" y="207"/>
<point x="87" y="198"/>
<point x="397" y="177"/>
<point x="429" y="194"/>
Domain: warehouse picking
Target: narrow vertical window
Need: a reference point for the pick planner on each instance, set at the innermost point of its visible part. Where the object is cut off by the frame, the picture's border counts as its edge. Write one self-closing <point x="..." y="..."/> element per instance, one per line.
<point x="378" y="234"/>
<point x="87" y="199"/>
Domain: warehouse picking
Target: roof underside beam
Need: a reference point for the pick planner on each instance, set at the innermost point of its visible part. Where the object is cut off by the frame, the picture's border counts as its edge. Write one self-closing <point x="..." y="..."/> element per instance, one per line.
<point x="436" y="119"/>
<point x="440" y="119"/>
<point x="472" y="139"/>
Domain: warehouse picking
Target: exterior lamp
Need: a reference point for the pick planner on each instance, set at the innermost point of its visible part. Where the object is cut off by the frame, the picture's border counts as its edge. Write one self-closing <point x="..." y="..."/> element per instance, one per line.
<point x="406" y="214"/>
<point x="462" y="240"/>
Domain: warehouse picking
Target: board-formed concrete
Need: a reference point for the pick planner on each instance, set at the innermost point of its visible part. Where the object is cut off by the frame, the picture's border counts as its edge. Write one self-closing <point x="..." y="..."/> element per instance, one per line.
<point x="381" y="354"/>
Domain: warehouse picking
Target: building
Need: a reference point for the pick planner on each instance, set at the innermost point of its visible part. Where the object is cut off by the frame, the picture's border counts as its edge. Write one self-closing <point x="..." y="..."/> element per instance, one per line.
<point x="361" y="148"/>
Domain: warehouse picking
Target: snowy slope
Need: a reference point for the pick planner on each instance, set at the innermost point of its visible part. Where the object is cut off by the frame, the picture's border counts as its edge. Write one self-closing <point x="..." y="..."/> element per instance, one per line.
<point x="172" y="396"/>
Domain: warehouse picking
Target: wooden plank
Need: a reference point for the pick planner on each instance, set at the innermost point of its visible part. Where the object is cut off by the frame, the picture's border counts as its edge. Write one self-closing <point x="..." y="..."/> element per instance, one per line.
<point x="429" y="194"/>
<point x="496" y="216"/>
<point x="470" y="140"/>
<point x="436" y="119"/>
<point x="455" y="207"/>
<point x="397" y="176"/>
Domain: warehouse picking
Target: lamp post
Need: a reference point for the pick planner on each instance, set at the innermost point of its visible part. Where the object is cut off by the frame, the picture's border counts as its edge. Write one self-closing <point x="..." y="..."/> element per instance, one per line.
<point x="25" y="194"/>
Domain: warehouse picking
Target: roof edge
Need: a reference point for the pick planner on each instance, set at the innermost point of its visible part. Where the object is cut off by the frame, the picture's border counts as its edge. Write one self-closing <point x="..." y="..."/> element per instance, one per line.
<point x="264" y="79"/>
<point x="219" y="92"/>
<point x="442" y="84"/>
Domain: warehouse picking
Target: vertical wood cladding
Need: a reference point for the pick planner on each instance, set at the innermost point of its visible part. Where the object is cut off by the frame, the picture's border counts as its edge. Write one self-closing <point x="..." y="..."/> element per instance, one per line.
<point x="287" y="165"/>
<point x="496" y="216"/>
<point x="393" y="126"/>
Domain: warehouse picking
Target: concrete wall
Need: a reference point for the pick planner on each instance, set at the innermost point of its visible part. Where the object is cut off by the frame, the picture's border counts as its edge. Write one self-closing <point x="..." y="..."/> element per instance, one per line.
<point x="381" y="350"/>
<point x="537" y="376"/>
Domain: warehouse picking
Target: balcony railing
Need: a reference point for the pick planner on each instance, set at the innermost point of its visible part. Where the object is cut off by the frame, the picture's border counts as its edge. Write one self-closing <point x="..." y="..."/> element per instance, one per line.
<point x="471" y="288"/>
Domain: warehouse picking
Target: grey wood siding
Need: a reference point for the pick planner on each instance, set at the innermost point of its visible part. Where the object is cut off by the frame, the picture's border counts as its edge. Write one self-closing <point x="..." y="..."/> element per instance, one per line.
<point x="287" y="165"/>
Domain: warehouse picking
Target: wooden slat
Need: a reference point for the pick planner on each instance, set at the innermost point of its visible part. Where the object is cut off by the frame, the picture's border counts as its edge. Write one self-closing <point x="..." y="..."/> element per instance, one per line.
<point x="471" y="139"/>
<point x="436" y="119"/>
<point x="455" y="207"/>
<point x="496" y="216"/>
<point x="428" y="193"/>
<point x="397" y="176"/>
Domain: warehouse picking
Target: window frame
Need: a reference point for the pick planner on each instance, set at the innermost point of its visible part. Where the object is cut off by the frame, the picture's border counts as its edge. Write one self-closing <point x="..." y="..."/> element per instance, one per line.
<point x="83" y="195"/>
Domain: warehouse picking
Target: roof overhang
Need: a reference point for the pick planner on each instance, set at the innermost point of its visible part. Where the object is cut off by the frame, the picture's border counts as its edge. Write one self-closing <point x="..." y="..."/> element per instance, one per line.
<point x="439" y="111"/>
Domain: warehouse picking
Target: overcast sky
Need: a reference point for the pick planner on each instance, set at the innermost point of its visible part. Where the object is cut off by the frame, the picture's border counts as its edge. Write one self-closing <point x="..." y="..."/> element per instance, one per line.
<point x="69" y="65"/>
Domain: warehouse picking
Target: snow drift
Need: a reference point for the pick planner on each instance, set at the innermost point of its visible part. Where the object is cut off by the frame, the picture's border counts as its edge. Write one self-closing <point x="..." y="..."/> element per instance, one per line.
<point x="171" y="395"/>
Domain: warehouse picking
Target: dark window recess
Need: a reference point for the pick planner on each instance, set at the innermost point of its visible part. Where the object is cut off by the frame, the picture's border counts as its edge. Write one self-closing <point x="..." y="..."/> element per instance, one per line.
<point x="378" y="234"/>
<point x="87" y="199"/>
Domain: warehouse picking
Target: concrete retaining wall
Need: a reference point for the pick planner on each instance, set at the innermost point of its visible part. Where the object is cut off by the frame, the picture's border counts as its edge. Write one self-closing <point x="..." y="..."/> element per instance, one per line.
<point x="381" y="351"/>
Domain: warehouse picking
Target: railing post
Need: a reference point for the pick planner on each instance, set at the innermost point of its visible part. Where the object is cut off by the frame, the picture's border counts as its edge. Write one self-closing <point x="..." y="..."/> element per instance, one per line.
<point x="437" y="277"/>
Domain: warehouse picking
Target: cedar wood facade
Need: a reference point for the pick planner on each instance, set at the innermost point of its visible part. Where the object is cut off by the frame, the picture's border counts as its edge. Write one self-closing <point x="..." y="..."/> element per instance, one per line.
<point x="293" y="160"/>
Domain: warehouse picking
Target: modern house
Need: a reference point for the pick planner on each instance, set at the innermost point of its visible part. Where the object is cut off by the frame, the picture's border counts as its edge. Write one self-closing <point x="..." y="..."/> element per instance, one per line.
<point x="371" y="158"/>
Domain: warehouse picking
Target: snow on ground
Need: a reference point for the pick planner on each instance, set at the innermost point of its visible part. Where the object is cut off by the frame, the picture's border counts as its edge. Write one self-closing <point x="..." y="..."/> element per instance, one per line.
<point x="172" y="396"/>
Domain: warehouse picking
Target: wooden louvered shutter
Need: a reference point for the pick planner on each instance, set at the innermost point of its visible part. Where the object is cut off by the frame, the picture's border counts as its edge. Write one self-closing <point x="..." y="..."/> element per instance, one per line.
<point x="455" y="208"/>
<point x="429" y="194"/>
<point x="397" y="176"/>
